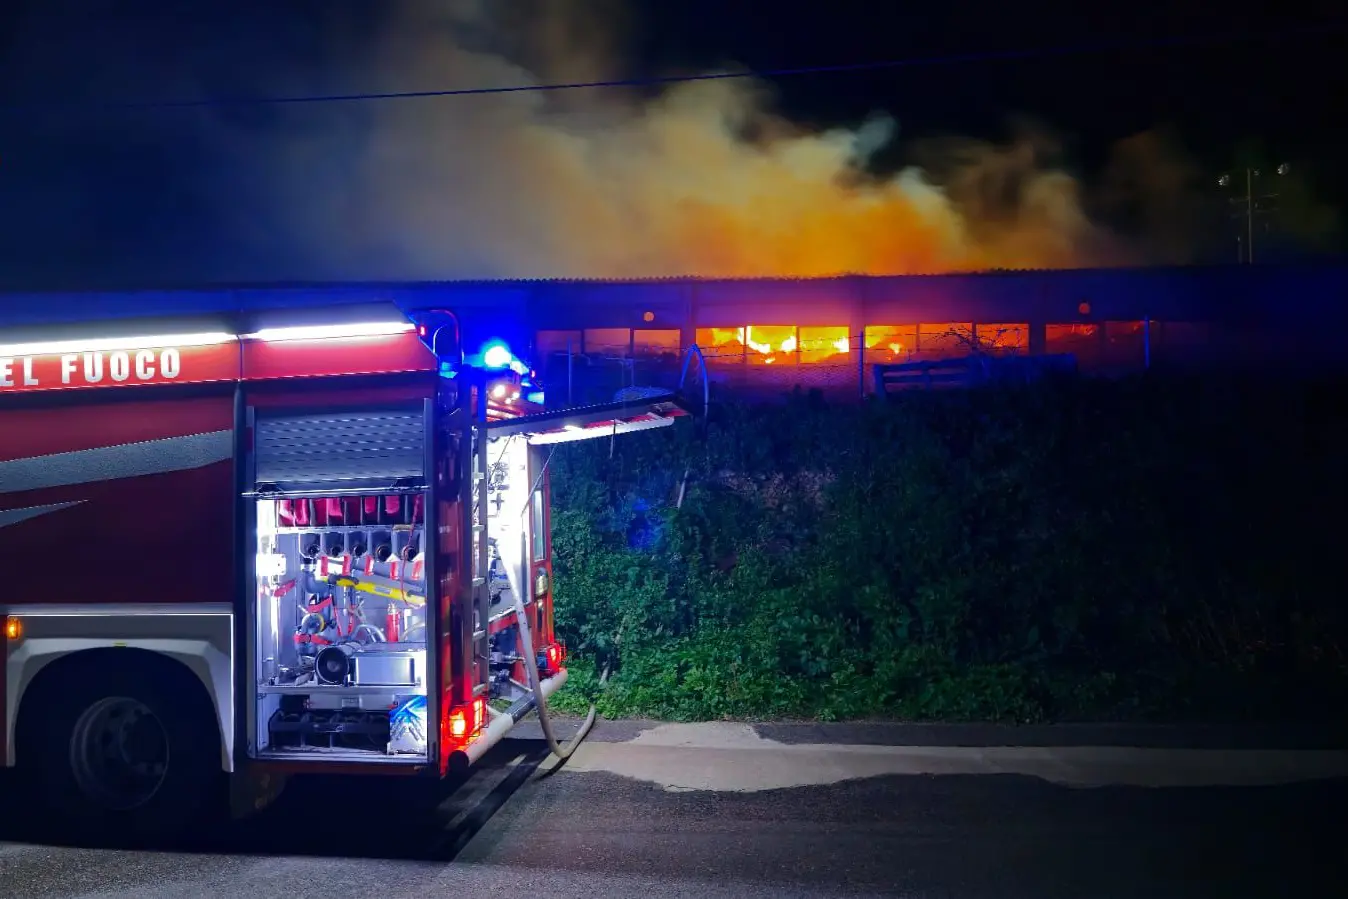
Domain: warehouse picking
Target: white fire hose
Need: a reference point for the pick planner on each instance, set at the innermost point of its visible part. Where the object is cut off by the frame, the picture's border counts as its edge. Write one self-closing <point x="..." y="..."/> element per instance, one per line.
<point x="518" y="584"/>
<point x="536" y="682"/>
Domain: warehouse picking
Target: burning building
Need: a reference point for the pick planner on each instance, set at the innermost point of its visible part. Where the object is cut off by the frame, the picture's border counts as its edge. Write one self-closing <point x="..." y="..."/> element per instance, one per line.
<point x="829" y="332"/>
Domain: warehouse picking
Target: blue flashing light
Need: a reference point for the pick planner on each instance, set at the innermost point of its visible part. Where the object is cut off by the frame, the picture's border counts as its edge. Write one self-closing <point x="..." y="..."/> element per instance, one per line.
<point x="497" y="355"/>
<point x="518" y="367"/>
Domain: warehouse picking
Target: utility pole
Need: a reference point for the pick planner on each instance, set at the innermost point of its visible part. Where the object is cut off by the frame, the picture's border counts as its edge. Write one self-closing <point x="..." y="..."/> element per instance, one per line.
<point x="1248" y="207"/>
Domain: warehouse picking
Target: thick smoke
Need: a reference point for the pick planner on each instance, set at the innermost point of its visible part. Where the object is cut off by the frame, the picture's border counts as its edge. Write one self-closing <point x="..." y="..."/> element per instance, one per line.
<point x="699" y="178"/>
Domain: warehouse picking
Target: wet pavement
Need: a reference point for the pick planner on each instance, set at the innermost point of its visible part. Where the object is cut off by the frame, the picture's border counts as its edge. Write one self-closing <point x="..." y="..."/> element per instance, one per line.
<point x="518" y="825"/>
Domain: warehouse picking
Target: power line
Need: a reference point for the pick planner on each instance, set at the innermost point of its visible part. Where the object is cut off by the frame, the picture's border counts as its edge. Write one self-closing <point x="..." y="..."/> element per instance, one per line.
<point x="657" y="81"/>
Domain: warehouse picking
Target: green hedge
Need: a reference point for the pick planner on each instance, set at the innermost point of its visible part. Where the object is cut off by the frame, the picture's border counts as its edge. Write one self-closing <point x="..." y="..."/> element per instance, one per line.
<point x="1077" y="549"/>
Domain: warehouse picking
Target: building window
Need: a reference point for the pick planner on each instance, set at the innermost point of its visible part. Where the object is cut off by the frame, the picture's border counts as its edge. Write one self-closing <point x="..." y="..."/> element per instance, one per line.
<point x="890" y="343"/>
<point x="655" y="343"/>
<point x="1181" y="340"/>
<point x="946" y="340"/>
<point x="721" y="346"/>
<point x="825" y="345"/>
<point x="771" y="344"/>
<point x="608" y="341"/>
<point x="1082" y="341"/>
<point x="549" y="342"/>
<point x="1004" y="339"/>
<point x="1125" y="344"/>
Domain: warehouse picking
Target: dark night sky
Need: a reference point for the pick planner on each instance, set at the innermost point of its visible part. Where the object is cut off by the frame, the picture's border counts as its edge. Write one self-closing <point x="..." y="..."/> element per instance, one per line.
<point x="143" y="196"/>
<point x="1217" y="92"/>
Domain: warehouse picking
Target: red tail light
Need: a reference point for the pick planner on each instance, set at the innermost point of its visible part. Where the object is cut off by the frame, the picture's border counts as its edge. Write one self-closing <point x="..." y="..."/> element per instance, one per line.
<point x="465" y="721"/>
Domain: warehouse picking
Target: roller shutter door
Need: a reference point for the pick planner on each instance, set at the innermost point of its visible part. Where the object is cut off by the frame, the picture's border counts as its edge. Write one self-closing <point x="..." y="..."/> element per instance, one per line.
<point x="341" y="450"/>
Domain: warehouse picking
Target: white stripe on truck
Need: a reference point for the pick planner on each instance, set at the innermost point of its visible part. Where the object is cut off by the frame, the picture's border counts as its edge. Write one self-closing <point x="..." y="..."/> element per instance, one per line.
<point x="110" y="463"/>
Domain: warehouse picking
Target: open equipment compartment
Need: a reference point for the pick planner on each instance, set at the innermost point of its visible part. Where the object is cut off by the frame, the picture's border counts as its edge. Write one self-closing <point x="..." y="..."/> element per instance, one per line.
<point x="508" y="530"/>
<point x="516" y="459"/>
<point x="343" y="614"/>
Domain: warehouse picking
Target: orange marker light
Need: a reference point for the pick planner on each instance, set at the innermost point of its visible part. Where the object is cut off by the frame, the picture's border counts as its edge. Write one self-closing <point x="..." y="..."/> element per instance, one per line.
<point x="13" y="628"/>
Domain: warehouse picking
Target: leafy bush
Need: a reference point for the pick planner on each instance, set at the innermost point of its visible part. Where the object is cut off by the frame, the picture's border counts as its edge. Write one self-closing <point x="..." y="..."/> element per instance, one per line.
<point x="1074" y="549"/>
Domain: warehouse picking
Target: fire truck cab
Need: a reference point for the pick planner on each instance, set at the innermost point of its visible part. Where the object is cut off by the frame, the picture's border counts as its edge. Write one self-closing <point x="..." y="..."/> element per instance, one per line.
<point x="271" y="543"/>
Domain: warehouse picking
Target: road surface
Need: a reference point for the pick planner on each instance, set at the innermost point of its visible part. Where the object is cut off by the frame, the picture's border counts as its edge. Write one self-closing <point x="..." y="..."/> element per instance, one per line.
<point x="703" y="811"/>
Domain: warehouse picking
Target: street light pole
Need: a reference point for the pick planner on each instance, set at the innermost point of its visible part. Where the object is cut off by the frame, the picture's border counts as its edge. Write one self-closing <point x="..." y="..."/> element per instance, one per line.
<point x="1251" y="202"/>
<point x="1249" y="214"/>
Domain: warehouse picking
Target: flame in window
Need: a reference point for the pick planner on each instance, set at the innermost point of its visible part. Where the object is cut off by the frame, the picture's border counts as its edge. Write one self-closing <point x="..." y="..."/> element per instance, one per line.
<point x="771" y="342"/>
<point x="776" y="344"/>
<point x="890" y="343"/>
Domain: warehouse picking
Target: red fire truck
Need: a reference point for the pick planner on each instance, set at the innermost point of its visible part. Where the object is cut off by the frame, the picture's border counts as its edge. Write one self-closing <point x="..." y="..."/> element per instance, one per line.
<point x="245" y="546"/>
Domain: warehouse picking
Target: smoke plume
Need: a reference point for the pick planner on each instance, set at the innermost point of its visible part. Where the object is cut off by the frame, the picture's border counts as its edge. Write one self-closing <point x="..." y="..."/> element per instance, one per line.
<point x="699" y="178"/>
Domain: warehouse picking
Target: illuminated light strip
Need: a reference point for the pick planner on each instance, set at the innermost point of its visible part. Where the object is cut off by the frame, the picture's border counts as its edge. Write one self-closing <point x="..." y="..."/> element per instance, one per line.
<point x="329" y="332"/>
<point x="599" y="429"/>
<point x="110" y="344"/>
<point x="213" y="338"/>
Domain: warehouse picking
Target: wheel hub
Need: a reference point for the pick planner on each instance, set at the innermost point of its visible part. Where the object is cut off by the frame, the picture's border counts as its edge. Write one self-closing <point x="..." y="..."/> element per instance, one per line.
<point x="119" y="753"/>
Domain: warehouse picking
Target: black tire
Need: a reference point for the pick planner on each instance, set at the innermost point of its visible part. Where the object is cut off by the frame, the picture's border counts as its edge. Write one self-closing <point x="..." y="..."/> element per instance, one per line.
<point x="186" y="786"/>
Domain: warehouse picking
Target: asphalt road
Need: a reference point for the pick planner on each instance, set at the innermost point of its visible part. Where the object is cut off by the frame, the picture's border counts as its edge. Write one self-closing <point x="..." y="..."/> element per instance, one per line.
<point x="514" y="830"/>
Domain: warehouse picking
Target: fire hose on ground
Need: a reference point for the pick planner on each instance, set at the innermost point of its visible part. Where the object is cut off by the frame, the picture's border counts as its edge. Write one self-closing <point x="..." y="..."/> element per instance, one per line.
<point x="517" y="586"/>
<point x="536" y="686"/>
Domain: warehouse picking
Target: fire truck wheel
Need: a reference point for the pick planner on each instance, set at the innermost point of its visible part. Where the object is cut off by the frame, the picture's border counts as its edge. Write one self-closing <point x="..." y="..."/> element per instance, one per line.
<point x="122" y="752"/>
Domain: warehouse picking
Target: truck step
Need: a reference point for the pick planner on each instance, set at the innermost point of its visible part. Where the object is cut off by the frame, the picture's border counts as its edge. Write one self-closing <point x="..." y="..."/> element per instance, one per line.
<point x="522" y="706"/>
